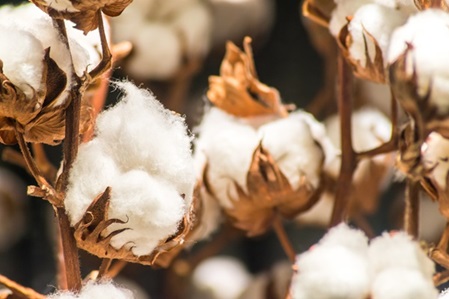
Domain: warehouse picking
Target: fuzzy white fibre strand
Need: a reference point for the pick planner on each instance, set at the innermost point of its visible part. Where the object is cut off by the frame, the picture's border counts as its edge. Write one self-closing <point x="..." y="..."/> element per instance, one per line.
<point x="93" y="290"/>
<point x="143" y="152"/>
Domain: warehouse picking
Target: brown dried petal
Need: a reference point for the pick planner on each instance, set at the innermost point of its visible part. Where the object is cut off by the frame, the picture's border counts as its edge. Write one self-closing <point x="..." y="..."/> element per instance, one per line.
<point x="319" y="11"/>
<point x="237" y="90"/>
<point x="269" y="192"/>
<point x="86" y="16"/>
<point x="373" y="70"/>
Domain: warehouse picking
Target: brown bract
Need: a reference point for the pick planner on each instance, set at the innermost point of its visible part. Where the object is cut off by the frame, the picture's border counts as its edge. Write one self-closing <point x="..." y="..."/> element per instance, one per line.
<point x="319" y="11"/>
<point x="425" y="4"/>
<point x="90" y="235"/>
<point x="238" y="91"/>
<point x="37" y="118"/>
<point x="268" y="193"/>
<point x="85" y="14"/>
<point x="373" y="70"/>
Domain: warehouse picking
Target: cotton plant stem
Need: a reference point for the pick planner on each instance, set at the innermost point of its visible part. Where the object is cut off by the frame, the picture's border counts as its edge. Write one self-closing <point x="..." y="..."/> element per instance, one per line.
<point x="411" y="213"/>
<point x="115" y="269"/>
<point x="14" y="157"/>
<point x="104" y="267"/>
<point x="106" y="58"/>
<point x="441" y="278"/>
<point x="283" y="239"/>
<point x="18" y="290"/>
<point x="348" y="157"/>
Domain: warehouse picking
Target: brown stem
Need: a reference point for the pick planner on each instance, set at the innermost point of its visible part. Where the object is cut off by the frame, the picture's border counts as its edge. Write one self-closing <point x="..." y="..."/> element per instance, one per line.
<point x="283" y="239"/>
<point x="440" y="278"/>
<point x="48" y="170"/>
<point x="14" y="157"/>
<point x="106" y="59"/>
<point x="348" y="157"/>
<point x="104" y="267"/>
<point x="19" y="290"/>
<point x="116" y="268"/>
<point x="411" y="214"/>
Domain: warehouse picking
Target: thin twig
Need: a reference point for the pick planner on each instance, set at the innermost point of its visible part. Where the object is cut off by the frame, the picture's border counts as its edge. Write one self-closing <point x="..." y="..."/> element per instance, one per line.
<point x="348" y="157"/>
<point x="116" y="268"/>
<point x="14" y="157"/>
<point x="19" y="290"/>
<point x="104" y="267"/>
<point x="411" y="214"/>
<point x="106" y="58"/>
<point x="440" y="278"/>
<point x="283" y="238"/>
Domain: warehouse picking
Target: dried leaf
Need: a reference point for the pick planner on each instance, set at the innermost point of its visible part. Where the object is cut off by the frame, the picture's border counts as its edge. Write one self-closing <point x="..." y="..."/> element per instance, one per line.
<point x="268" y="192"/>
<point x="238" y="91"/>
<point x="374" y="70"/>
<point x="85" y="12"/>
<point x="90" y="234"/>
<point x="319" y="11"/>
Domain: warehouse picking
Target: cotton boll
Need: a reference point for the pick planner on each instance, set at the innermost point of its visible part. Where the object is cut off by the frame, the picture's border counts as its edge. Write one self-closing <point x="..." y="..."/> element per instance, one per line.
<point x="134" y="145"/>
<point x="378" y="21"/>
<point x="320" y="214"/>
<point x="435" y="154"/>
<point x="444" y="294"/>
<point x="151" y="208"/>
<point x="194" y="24"/>
<point x="331" y="272"/>
<point x="399" y="250"/>
<point x="92" y="171"/>
<point x="22" y="56"/>
<point x="428" y="33"/>
<point x="303" y="157"/>
<point x="210" y="219"/>
<point x="343" y="235"/>
<point x="400" y="283"/>
<point x="220" y="278"/>
<point x="344" y="9"/>
<point x="96" y="290"/>
<point x="156" y="52"/>
<point x="405" y="6"/>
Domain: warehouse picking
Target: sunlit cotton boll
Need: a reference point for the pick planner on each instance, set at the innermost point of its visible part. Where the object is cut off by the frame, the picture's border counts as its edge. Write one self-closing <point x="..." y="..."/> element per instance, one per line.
<point x="343" y="9"/>
<point x="435" y="154"/>
<point x="96" y="290"/>
<point x="428" y="34"/>
<point x="146" y="177"/>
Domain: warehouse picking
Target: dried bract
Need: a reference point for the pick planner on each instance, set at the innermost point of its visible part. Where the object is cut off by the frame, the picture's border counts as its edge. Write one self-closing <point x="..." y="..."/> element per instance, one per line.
<point x="84" y="13"/>
<point x="318" y="11"/>
<point x="238" y="91"/>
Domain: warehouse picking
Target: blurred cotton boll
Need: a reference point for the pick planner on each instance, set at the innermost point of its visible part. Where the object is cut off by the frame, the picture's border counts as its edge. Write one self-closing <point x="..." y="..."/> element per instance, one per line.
<point x="220" y="277"/>
<point x="96" y="290"/>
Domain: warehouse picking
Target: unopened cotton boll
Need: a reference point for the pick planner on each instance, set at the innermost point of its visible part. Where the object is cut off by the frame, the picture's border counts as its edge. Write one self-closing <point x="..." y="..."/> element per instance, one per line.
<point x="343" y="9"/>
<point x="373" y="21"/>
<point x="401" y="283"/>
<point x="96" y="290"/>
<point x="428" y="34"/>
<point x="398" y="250"/>
<point x="435" y="154"/>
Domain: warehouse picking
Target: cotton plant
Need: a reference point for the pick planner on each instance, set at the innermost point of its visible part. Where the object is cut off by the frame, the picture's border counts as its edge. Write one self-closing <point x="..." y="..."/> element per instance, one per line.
<point x="241" y="142"/>
<point x="343" y="264"/>
<point x="164" y="34"/>
<point x="105" y="289"/>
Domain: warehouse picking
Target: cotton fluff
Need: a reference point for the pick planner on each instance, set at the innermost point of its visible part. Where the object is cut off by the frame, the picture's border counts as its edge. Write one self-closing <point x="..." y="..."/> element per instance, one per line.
<point x="428" y="33"/>
<point x="337" y="267"/>
<point x="61" y="5"/>
<point x="444" y="294"/>
<point x="398" y="250"/>
<point x="435" y="154"/>
<point x="141" y="151"/>
<point x="400" y="283"/>
<point x="378" y="21"/>
<point x="93" y="290"/>
<point x="229" y="143"/>
<point x="221" y="277"/>
<point x="343" y="9"/>
<point x="406" y="6"/>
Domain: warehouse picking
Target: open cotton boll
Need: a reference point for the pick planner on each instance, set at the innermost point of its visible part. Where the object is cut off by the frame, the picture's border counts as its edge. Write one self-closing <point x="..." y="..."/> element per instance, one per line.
<point x="444" y="294"/>
<point x="401" y="283"/>
<point x="406" y="6"/>
<point x="428" y="34"/>
<point x="302" y="157"/>
<point x="194" y="24"/>
<point x="331" y="272"/>
<point x="399" y="250"/>
<point x="344" y="9"/>
<point x="96" y="290"/>
<point x="22" y="56"/>
<point x="131" y="128"/>
<point x="220" y="277"/>
<point x="156" y="51"/>
<point x="378" y="21"/>
<point x="151" y="208"/>
<point x="435" y="154"/>
<point x="350" y="238"/>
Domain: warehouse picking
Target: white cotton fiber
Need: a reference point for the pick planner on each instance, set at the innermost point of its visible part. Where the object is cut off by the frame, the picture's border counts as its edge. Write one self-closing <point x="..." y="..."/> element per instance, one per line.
<point x="378" y="21"/>
<point x="61" y="5"/>
<point x="402" y="283"/>
<point x="444" y="294"/>
<point x="93" y="290"/>
<point x="142" y="152"/>
<point x="405" y="6"/>
<point x="435" y="157"/>
<point x="399" y="250"/>
<point x="343" y="9"/>
<point x="343" y="235"/>
<point x="429" y="53"/>
<point x="22" y="55"/>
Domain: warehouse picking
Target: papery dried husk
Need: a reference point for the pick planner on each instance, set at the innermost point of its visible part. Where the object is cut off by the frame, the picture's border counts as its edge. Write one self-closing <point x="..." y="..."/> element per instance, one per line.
<point x="90" y="235"/>
<point x="319" y="11"/>
<point x="238" y="91"/>
<point x="374" y="70"/>
<point x="268" y="193"/>
<point x="425" y="4"/>
<point x="86" y="15"/>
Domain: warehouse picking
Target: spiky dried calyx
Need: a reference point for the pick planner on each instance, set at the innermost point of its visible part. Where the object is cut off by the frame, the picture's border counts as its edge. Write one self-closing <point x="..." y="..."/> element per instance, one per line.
<point x="238" y="91"/>
<point x="84" y="13"/>
<point x="425" y="4"/>
<point x="39" y="119"/>
<point x="268" y="193"/>
<point x="91" y="235"/>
